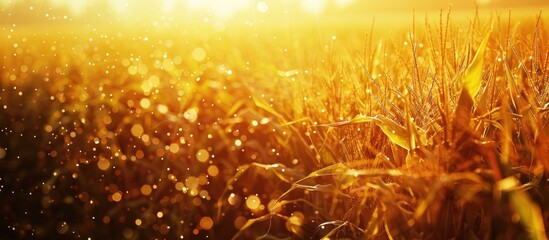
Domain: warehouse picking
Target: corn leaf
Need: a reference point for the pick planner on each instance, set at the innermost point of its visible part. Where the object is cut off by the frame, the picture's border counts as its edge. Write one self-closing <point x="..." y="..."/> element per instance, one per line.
<point x="329" y="170"/>
<point x="530" y="214"/>
<point x="513" y="90"/>
<point x="253" y="221"/>
<point x="303" y="119"/>
<point x="473" y="73"/>
<point x="340" y="227"/>
<point x="397" y="133"/>
<point x="265" y="106"/>
<point x="282" y="172"/>
<point x="234" y="108"/>
<point x="528" y="210"/>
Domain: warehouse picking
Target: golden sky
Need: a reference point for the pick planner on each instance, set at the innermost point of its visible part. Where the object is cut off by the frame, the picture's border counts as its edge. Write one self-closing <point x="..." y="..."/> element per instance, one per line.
<point x="17" y="11"/>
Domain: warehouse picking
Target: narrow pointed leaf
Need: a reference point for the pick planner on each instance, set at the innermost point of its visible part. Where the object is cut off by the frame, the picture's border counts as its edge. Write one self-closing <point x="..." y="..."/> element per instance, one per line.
<point x="397" y="133"/>
<point x="528" y="211"/>
<point x="265" y="106"/>
<point x="473" y="74"/>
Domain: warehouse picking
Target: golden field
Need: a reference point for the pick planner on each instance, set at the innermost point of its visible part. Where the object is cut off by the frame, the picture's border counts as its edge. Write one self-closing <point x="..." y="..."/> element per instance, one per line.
<point x="410" y="125"/>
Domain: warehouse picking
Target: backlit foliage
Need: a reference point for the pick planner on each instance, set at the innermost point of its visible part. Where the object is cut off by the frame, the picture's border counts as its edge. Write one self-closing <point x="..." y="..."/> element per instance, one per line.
<point x="434" y="129"/>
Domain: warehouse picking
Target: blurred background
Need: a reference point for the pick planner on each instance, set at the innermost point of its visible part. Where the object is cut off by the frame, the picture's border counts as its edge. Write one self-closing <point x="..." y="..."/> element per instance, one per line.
<point x="127" y="11"/>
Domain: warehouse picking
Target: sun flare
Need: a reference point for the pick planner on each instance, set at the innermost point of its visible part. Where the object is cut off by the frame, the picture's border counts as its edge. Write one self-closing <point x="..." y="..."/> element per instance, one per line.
<point x="217" y="8"/>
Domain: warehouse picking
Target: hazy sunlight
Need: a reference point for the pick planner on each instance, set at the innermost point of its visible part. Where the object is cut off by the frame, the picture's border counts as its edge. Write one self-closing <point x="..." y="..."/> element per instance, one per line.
<point x="274" y="119"/>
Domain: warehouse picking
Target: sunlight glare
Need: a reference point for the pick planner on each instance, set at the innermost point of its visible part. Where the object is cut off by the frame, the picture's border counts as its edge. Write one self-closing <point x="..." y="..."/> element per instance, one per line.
<point x="5" y="3"/>
<point x="262" y="7"/>
<point x="219" y="8"/>
<point x="77" y="6"/>
<point x="74" y="6"/>
<point x="314" y="6"/>
<point x="120" y="6"/>
<point x="169" y="5"/>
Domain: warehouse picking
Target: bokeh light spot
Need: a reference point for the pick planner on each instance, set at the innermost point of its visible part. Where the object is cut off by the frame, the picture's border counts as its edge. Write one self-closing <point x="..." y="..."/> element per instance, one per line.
<point x="199" y="54"/>
<point x="137" y="130"/>
<point x="202" y="155"/>
<point x="103" y="164"/>
<point x="253" y="202"/>
<point x="206" y="223"/>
